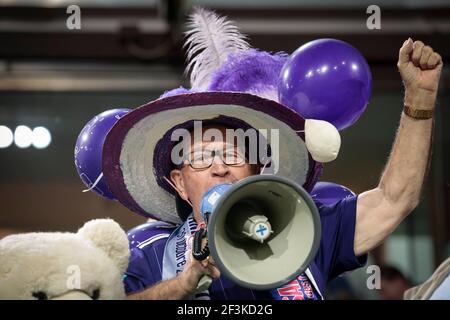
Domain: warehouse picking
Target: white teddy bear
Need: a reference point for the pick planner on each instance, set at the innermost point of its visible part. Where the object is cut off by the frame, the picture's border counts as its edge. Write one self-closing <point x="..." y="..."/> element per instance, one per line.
<point x="88" y="264"/>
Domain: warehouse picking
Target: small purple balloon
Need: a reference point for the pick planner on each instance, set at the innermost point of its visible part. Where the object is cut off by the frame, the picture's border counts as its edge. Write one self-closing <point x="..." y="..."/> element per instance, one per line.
<point x="326" y="79"/>
<point x="329" y="193"/>
<point x="88" y="150"/>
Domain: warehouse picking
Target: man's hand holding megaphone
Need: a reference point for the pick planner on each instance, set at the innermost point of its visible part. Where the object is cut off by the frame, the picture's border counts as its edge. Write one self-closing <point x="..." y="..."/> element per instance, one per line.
<point x="198" y="275"/>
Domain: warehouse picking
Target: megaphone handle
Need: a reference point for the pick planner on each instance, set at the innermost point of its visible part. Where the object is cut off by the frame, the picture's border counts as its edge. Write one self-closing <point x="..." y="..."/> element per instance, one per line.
<point x="204" y="283"/>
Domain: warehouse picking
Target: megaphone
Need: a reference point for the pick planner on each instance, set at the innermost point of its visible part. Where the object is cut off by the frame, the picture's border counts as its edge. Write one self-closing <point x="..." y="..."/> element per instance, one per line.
<point x="262" y="231"/>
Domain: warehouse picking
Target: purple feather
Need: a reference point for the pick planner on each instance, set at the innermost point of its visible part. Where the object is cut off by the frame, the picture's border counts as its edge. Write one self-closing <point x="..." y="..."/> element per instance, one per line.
<point x="174" y="92"/>
<point x="251" y="71"/>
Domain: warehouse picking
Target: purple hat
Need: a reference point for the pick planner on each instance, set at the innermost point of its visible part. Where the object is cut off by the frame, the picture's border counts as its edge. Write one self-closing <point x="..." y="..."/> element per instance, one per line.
<point x="231" y="85"/>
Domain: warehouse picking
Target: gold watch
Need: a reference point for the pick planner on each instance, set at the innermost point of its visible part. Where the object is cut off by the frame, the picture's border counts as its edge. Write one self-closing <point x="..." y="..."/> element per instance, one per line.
<point x="419" y="114"/>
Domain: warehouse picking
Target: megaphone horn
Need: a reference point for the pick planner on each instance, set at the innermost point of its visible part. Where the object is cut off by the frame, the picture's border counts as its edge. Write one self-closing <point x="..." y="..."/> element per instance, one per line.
<point x="262" y="231"/>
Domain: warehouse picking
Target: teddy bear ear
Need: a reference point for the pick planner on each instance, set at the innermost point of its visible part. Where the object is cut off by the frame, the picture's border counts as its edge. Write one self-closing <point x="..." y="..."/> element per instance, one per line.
<point x="107" y="235"/>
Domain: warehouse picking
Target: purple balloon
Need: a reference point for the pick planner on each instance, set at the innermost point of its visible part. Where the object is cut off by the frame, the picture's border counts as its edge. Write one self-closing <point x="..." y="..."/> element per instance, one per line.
<point x="329" y="193"/>
<point x="88" y="150"/>
<point x="326" y="79"/>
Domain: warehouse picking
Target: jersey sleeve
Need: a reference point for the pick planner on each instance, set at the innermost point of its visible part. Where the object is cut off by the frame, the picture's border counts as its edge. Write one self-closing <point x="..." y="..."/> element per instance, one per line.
<point x="146" y="256"/>
<point x="336" y="253"/>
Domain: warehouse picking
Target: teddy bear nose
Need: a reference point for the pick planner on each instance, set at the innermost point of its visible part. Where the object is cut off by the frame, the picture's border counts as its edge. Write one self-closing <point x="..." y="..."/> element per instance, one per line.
<point x="40" y="295"/>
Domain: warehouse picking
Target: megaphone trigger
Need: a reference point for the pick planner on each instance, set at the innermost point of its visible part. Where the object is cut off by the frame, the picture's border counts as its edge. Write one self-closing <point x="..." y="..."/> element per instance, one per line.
<point x="200" y="249"/>
<point x="200" y="252"/>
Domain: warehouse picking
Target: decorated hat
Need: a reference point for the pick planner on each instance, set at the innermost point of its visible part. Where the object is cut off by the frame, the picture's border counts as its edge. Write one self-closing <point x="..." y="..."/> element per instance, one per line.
<point x="231" y="84"/>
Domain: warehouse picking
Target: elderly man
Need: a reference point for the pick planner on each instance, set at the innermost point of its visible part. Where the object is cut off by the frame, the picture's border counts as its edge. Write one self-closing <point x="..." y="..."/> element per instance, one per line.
<point x="161" y="266"/>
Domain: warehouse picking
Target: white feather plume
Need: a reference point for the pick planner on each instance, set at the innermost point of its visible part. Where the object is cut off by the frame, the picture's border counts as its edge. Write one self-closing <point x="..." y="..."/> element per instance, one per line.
<point x="210" y="39"/>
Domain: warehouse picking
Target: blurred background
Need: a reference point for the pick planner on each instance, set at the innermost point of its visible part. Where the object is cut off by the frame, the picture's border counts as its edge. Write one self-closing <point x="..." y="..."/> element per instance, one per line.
<point x="129" y="52"/>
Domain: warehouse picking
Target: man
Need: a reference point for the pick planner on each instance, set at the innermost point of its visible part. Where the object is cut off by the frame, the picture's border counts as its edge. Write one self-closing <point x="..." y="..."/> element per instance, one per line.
<point x="161" y="266"/>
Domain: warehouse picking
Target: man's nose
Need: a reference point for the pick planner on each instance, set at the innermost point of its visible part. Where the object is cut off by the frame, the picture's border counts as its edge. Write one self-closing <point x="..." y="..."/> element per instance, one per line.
<point x="219" y="168"/>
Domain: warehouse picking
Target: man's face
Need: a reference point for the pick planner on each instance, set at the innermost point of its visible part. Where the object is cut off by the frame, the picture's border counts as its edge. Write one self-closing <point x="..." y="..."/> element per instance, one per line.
<point x="192" y="183"/>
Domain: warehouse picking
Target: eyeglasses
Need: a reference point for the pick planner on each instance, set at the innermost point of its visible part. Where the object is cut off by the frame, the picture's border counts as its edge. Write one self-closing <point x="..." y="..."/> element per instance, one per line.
<point x="203" y="159"/>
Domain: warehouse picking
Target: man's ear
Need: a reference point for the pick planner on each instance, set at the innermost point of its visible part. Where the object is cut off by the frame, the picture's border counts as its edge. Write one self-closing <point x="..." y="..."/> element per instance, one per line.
<point x="177" y="179"/>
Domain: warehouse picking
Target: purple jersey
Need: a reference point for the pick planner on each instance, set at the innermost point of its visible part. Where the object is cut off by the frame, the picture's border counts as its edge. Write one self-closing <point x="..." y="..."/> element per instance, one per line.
<point x="335" y="256"/>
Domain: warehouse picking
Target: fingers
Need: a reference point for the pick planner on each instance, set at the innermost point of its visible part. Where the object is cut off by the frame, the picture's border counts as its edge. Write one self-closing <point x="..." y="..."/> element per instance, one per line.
<point x="213" y="271"/>
<point x="405" y="51"/>
<point x="417" y="52"/>
<point x="434" y="60"/>
<point x="426" y="53"/>
<point x="210" y="268"/>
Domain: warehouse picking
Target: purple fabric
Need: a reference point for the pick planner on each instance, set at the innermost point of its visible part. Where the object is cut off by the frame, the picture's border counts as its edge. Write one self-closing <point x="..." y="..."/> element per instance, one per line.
<point x="336" y="251"/>
<point x="113" y="142"/>
<point x="329" y="193"/>
<point x="335" y="256"/>
<point x="139" y="235"/>
<point x="147" y="242"/>
<point x="248" y="71"/>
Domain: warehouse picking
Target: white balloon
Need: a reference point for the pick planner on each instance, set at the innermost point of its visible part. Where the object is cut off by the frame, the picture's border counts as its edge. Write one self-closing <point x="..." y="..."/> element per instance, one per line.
<point x="322" y="140"/>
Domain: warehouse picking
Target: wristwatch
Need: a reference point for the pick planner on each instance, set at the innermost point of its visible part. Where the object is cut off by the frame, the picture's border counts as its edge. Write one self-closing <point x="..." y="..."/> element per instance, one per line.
<point x="419" y="114"/>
